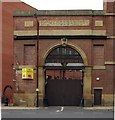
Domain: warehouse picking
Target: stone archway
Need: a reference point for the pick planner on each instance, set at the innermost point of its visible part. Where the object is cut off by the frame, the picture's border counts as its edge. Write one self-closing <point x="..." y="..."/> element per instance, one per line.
<point x="87" y="75"/>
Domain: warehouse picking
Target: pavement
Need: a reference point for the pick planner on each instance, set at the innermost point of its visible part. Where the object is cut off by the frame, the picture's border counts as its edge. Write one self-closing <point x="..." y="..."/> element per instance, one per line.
<point x="34" y="108"/>
<point x="57" y="112"/>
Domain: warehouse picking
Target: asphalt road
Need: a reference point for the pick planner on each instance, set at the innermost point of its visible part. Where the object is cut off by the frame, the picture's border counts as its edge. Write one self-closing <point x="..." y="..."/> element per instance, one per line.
<point x="57" y="112"/>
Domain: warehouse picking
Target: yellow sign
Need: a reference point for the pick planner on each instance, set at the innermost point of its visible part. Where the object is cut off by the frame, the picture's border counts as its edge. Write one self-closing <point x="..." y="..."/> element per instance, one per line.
<point x="27" y="73"/>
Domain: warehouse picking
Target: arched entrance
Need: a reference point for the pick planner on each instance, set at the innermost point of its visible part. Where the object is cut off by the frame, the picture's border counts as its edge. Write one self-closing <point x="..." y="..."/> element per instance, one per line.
<point x="64" y="77"/>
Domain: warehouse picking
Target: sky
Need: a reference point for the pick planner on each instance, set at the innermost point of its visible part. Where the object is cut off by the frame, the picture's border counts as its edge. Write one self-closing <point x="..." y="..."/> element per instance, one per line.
<point x="65" y="4"/>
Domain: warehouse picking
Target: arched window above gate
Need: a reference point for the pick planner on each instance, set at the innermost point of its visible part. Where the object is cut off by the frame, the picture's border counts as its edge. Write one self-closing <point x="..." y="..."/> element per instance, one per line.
<point x="64" y="56"/>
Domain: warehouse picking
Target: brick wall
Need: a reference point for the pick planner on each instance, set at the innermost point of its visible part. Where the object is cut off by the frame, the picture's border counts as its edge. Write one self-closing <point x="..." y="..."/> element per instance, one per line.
<point x="7" y="39"/>
<point x="105" y="74"/>
<point x="98" y="51"/>
<point x="45" y="44"/>
<point x="109" y="6"/>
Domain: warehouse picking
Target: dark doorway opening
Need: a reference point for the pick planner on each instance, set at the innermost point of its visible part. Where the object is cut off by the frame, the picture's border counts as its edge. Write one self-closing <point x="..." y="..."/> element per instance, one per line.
<point x="97" y="96"/>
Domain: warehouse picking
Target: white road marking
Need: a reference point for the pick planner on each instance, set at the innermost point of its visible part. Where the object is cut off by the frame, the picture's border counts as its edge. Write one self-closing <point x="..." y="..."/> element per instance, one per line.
<point x="57" y="110"/>
<point x="62" y="108"/>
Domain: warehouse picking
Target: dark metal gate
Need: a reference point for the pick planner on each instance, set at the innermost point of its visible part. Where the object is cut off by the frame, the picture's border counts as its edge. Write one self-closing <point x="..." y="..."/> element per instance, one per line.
<point x="64" y="68"/>
<point x="64" y="92"/>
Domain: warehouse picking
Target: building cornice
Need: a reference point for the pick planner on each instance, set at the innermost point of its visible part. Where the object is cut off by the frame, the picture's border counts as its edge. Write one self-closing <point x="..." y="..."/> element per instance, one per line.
<point x="55" y="37"/>
<point x="59" y="13"/>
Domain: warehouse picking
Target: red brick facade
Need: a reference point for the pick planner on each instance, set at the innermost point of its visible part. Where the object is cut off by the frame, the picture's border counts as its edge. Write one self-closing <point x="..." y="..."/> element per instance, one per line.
<point x="7" y="39"/>
<point x="89" y="32"/>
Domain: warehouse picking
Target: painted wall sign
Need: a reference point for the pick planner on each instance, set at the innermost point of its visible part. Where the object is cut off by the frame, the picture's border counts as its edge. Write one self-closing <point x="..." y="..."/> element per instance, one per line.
<point x="27" y="73"/>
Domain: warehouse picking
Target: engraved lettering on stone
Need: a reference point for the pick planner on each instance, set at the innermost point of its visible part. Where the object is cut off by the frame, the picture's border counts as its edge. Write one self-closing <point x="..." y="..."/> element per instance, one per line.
<point x="64" y="23"/>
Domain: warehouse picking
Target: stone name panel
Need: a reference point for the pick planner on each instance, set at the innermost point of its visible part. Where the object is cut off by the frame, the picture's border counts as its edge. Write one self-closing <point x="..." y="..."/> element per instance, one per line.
<point x="64" y="23"/>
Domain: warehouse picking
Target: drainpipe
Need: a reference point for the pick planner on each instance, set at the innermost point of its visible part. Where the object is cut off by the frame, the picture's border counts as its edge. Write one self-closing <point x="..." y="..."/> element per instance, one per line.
<point x="37" y="70"/>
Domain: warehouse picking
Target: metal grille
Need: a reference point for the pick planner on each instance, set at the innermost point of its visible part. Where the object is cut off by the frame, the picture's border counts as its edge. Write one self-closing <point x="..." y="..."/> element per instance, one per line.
<point x="64" y="55"/>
